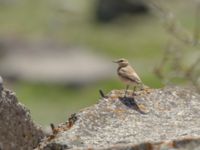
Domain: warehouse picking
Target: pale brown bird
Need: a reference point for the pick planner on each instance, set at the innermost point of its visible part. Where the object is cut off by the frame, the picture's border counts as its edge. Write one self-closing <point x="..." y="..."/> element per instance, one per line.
<point x="127" y="74"/>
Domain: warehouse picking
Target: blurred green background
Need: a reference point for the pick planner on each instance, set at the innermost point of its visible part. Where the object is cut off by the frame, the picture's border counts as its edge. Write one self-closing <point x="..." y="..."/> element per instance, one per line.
<point x="139" y="38"/>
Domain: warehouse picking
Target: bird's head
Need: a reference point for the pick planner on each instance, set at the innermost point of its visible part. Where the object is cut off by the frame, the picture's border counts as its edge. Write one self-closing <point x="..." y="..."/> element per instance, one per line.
<point x="121" y="62"/>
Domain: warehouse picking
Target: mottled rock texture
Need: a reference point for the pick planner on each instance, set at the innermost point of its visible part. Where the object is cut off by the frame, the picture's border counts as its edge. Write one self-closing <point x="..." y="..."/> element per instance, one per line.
<point x="164" y="119"/>
<point x="17" y="131"/>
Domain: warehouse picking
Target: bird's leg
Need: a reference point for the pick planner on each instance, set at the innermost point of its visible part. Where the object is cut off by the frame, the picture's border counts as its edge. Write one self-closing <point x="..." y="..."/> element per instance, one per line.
<point x="142" y="86"/>
<point x="134" y="88"/>
<point x="126" y="90"/>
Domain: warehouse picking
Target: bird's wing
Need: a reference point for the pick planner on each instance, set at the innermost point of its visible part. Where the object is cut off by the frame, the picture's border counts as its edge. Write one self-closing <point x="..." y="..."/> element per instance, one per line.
<point x="130" y="74"/>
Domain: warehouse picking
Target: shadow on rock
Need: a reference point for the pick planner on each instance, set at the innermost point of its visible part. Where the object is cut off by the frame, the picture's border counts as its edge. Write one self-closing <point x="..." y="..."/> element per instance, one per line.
<point x="131" y="103"/>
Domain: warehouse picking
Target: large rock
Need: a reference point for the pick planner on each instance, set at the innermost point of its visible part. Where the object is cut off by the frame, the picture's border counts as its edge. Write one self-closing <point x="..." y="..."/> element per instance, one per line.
<point x="108" y="10"/>
<point x="17" y="130"/>
<point x="49" y="61"/>
<point x="150" y="119"/>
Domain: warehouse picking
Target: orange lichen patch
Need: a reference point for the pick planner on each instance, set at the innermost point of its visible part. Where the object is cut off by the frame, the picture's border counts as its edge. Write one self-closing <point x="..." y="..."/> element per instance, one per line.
<point x="149" y="90"/>
<point x="51" y="137"/>
<point x="160" y="107"/>
<point x="142" y="108"/>
<point x="118" y="111"/>
<point x="183" y="142"/>
<point x="114" y="97"/>
<point x="170" y="144"/>
<point x="142" y="146"/>
<point x="63" y="127"/>
<point x="147" y="146"/>
<point x="165" y="145"/>
<point x="71" y="121"/>
<point x="54" y="130"/>
<point x="145" y="91"/>
<point x="119" y="93"/>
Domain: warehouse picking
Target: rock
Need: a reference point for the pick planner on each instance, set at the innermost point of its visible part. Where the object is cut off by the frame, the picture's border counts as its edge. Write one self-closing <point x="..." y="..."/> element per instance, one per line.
<point x="108" y="10"/>
<point x="49" y="61"/>
<point x="1" y="84"/>
<point x="150" y="119"/>
<point x="17" y="130"/>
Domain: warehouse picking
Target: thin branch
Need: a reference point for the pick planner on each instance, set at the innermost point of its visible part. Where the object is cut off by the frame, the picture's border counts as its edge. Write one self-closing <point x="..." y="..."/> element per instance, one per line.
<point x="197" y="23"/>
<point x="192" y="68"/>
<point x="172" y="25"/>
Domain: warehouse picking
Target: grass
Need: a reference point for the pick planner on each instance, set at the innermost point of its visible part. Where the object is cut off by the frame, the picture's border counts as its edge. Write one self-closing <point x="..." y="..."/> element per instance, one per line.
<point x="54" y="103"/>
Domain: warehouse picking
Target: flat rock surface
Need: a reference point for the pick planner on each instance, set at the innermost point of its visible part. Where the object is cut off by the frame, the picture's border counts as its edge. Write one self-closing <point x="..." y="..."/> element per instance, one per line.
<point x="148" y="116"/>
<point x="17" y="130"/>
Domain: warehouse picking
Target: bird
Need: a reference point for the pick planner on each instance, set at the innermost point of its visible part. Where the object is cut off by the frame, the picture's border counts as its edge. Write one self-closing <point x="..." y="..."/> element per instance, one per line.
<point x="127" y="74"/>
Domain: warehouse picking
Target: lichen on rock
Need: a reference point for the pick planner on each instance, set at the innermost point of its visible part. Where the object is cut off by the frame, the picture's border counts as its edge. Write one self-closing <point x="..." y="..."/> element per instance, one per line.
<point x="148" y="119"/>
<point x="17" y="130"/>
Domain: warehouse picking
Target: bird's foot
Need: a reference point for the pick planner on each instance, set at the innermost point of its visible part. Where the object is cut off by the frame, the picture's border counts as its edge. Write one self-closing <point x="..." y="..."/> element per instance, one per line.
<point x="134" y="93"/>
<point x="124" y="97"/>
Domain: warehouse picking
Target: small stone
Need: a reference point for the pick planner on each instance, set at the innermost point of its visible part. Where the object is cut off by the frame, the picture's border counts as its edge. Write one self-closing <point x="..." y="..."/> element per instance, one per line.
<point x="142" y="108"/>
